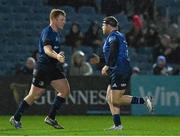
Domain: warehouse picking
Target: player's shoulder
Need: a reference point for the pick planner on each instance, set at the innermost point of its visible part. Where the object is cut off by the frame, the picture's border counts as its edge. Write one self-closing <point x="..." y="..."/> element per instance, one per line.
<point x="48" y="29"/>
<point x="114" y="36"/>
<point x="118" y="34"/>
<point x="47" y="32"/>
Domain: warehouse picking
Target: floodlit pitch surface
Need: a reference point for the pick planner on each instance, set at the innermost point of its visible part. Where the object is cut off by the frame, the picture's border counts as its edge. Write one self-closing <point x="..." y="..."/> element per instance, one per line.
<point x="94" y="125"/>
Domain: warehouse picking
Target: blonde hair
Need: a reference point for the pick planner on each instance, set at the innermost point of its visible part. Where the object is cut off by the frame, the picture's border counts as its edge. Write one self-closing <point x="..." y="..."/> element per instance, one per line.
<point x="55" y="13"/>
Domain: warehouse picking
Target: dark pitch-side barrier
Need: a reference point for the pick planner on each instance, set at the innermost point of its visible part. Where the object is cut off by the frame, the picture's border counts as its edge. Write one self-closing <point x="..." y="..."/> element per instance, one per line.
<point x="88" y="96"/>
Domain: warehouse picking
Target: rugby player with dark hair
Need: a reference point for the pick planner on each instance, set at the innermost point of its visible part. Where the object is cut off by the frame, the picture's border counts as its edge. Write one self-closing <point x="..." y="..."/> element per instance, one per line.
<point x="117" y="68"/>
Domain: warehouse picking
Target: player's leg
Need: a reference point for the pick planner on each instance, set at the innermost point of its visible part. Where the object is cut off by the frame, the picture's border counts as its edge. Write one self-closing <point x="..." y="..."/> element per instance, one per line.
<point x="118" y="99"/>
<point x="115" y="111"/>
<point x="118" y="85"/>
<point x="63" y="90"/>
<point x="39" y="83"/>
<point x="34" y="94"/>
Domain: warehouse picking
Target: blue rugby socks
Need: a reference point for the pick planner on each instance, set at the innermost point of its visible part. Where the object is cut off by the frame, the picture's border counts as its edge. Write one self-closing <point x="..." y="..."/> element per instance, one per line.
<point x="137" y="100"/>
<point x="22" y="107"/>
<point x="117" y="119"/>
<point x="58" y="101"/>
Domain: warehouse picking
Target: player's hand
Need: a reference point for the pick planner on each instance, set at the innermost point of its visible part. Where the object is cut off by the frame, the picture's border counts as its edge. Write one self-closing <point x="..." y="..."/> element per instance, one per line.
<point x="95" y="59"/>
<point x="104" y="70"/>
<point x="61" y="57"/>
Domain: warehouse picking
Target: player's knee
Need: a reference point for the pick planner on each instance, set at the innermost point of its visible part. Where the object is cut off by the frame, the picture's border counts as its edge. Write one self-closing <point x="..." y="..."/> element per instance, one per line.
<point x="34" y="97"/>
<point x="64" y="93"/>
<point x="67" y="91"/>
<point x="116" y="102"/>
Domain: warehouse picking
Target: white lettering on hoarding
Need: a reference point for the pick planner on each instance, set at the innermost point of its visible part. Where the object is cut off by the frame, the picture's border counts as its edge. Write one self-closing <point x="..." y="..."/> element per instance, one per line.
<point x="92" y="97"/>
<point x="82" y="97"/>
<point x="162" y="96"/>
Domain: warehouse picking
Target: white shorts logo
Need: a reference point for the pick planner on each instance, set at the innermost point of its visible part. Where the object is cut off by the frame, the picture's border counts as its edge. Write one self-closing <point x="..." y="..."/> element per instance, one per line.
<point x="114" y="85"/>
<point x="123" y="84"/>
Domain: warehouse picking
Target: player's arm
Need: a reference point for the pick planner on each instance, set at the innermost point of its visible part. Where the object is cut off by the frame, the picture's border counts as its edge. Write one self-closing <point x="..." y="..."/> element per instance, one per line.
<point x="112" y="56"/>
<point x="97" y="58"/>
<point x="51" y="53"/>
<point x="104" y="70"/>
<point x="113" y="53"/>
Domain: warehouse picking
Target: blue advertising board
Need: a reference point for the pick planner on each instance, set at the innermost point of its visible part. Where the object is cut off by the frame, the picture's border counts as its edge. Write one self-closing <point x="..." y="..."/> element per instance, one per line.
<point x="164" y="89"/>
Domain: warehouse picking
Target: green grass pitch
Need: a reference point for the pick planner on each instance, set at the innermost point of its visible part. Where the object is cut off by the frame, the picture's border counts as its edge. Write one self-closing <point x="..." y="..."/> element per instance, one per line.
<point x="94" y="125"/>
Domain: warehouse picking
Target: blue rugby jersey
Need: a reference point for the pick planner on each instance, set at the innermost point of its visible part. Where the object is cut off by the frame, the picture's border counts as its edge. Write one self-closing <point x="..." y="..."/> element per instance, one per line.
<point x="115" y="52"/>
<point x="49" y="37"/>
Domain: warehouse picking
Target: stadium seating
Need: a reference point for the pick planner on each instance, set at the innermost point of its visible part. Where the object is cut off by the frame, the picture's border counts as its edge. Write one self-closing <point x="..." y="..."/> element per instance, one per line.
<point x="87" y="10"/>
<point x="69" y="10"/>
<point x="22" y="21"/>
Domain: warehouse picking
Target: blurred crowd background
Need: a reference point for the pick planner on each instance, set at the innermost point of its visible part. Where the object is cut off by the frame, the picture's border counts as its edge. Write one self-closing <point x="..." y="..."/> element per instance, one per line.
<point x="152" y="29"/>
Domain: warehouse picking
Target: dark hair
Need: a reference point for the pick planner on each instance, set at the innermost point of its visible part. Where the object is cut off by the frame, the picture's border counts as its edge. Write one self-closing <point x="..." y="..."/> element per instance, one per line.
<point x="55" y="13"/>
<point x="111" y="20"/>
<point x="75" y="24"/>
